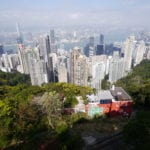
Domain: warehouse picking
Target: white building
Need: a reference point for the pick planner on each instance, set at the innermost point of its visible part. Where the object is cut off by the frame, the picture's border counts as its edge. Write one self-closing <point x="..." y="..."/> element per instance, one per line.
<point x="23" y="59"/>
<point x="98" y="74"/>
<point x="5" y="61"/>
<point x="116" y="69"/>
<point x="128" y="48"/>
<point x="37" y="70"/>
<point x="62" y="73"/>
<point x="13" y="61"/>
<point x="139" y="50"/>
<point x="98" y="68"/>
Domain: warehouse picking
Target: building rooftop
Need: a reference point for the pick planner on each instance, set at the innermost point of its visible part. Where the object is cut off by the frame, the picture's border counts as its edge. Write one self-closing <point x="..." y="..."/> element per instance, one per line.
<point x="120" y="94"/>
<point x="104" y="95"/>
<point x="117" y="93"/>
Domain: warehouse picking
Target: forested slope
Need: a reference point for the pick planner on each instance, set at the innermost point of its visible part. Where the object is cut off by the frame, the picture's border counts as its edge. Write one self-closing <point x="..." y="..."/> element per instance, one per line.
<point x="137" y="83"/>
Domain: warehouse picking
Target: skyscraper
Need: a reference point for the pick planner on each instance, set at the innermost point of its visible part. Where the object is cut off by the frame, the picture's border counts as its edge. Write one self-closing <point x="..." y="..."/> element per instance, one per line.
<point x="89" y="49"/>
<point x="52" y="41"/>
<point x="139" y="52"/>
<point x="52" y="36"/>
<point x="98" y="73"/>
<point x="97" y="70"/>
<point x="44" y="47"/>
<point x="37" y="67"/>
<point x="19" y="35"/>
<point x="23" y="59"/>
<point x="78" y="68"/>
<point x="1" y="49"/>
<point x="100" y="49"/>
<point x="62" y="73"/>
<point x="128" y="48"/>
<point x="52" y="68"/>
<point x="38" y="71"/>
<point x="116" y="69"/>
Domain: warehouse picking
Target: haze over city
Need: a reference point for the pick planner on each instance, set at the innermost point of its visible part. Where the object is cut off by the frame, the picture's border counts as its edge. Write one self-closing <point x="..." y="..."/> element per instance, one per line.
<point x="110" y="15"/>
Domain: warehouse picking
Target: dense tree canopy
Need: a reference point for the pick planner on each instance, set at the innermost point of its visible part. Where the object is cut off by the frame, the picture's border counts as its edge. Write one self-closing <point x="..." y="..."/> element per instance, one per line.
<point x="21" y="119"/>
<point x="13" y="78"/>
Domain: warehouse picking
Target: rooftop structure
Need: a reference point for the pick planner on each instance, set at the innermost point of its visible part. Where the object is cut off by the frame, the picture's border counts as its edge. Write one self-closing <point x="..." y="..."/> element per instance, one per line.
<point x="104" y="95"/>
<point x="113" y="102"/>
<point x="120" y="94"/>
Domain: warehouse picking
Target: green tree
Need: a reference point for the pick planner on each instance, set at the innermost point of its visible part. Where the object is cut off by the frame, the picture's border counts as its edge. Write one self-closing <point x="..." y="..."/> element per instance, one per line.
<point x="52" y="106"/>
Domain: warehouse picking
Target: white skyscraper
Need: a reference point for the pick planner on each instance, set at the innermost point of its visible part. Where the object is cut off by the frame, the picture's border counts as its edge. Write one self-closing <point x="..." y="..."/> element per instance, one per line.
<point x="44" y="47"/>
<point x="38" y="72"/>
<point x="98" y="74"/>
<point x="62" y="73"/>
<point x="116" y="69"/>
<point x="5" y="60"/>
<point x="13" y="61"/>
<point x="128" y="49"/>
<point x="139" y="52"/>
<point x="23" y="59"/>
<point x="37" y="68"/>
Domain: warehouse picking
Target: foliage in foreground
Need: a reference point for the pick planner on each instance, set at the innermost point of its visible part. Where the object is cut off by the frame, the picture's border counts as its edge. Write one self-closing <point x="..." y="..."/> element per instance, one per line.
<point x="137" y="131"/>
<point x="22" y="121"/>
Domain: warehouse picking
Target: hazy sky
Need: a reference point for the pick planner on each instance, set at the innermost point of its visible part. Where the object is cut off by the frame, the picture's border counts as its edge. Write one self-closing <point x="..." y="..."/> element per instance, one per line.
<point x="109" y="13"/>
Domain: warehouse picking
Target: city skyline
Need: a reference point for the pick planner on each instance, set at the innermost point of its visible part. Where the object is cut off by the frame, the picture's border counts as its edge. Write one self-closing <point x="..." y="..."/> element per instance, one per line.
<point x="112" y="14"/>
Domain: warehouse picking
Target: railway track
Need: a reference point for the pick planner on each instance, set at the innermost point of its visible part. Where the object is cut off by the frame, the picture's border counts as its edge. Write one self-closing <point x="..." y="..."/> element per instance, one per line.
<point x="113" y="142"/>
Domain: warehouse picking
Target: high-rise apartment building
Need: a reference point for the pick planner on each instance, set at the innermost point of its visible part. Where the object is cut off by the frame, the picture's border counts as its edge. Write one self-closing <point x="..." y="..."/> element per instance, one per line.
<point x="38" y="72"/>
<point x="116" y="69"/>
<point x="128" y="49"/>
<point x="78" y="68"/>
<point x="23" y="59"/>
<point x="98" y="74"/>
<point x="37" y="67"/>
<point x="62" y="72"/>
<point x="139" y="52"/>
<point x="97" y="70"/>
<point x="44" y="47"/>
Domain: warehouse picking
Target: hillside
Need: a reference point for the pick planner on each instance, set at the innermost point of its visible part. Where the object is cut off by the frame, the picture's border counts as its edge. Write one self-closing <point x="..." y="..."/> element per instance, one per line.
<point x="25" y="124"/>
<point x="13" y="79"/>
<point x="137" y="83"/>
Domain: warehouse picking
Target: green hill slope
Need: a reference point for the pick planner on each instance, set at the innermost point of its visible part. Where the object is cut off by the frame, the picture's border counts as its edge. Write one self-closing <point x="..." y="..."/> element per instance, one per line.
<point x="137" y="83"/>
